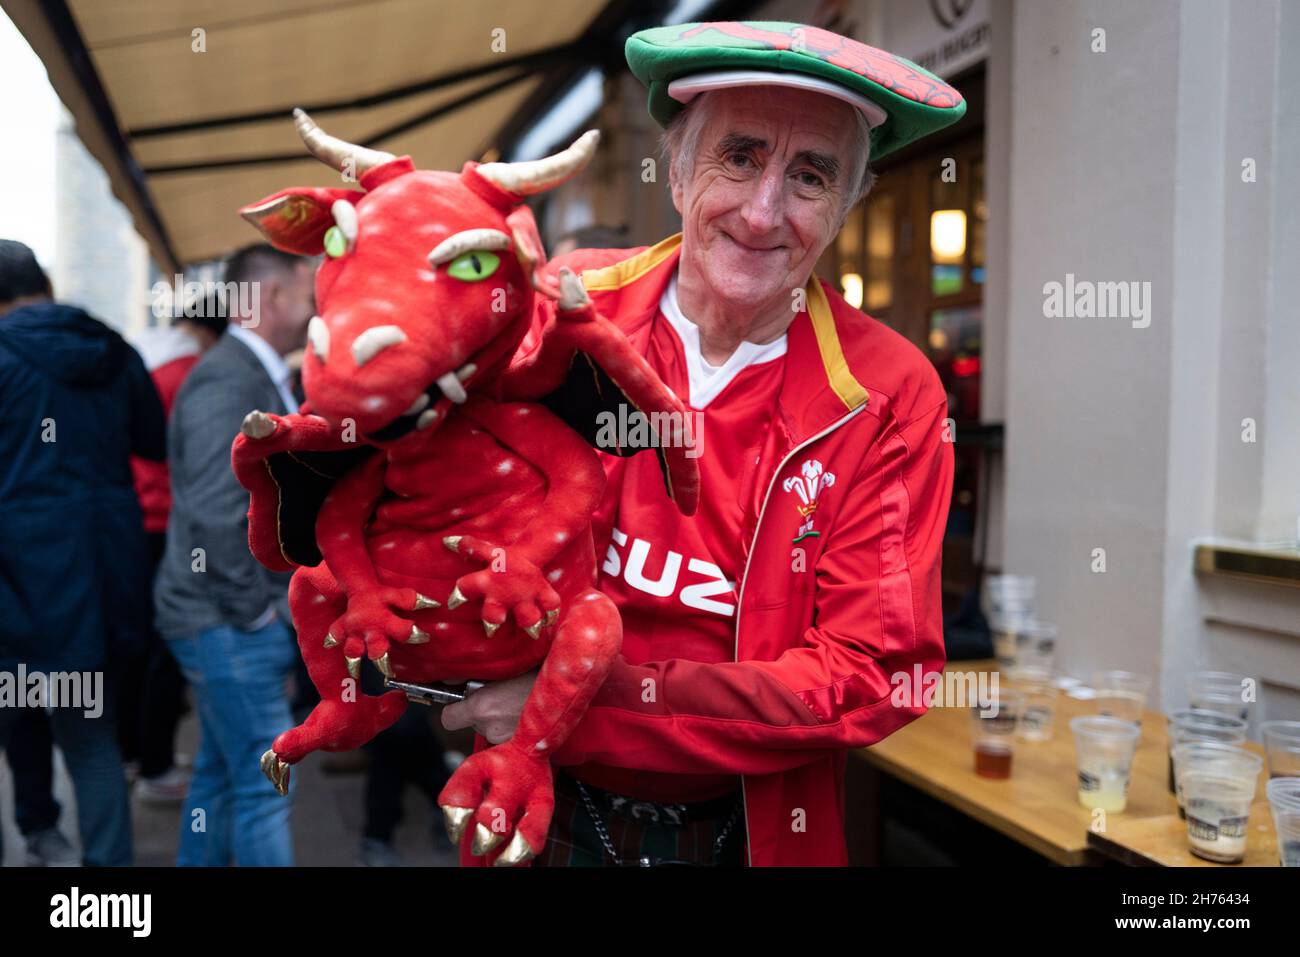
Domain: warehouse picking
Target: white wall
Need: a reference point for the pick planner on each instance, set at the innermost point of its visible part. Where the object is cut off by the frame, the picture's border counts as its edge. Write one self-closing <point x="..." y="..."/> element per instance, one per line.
<point x="1126" y="165"/>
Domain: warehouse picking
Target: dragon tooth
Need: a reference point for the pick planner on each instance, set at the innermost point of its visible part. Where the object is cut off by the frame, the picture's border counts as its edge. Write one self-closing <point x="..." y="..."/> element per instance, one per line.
<point x="452" y="388"/>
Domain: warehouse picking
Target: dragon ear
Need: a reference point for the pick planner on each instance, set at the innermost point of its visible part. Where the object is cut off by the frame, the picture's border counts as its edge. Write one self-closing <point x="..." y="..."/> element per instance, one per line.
<point x="296" y="220"/>
<point x="528" y="247"/>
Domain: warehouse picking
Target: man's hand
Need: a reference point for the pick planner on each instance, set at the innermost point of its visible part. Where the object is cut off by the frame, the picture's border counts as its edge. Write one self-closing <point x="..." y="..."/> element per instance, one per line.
<point x="493" y="711"/>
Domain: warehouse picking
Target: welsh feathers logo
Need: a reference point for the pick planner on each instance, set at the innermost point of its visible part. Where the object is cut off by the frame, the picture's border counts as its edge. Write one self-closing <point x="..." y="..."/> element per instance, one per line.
<point x="808" y="487"/>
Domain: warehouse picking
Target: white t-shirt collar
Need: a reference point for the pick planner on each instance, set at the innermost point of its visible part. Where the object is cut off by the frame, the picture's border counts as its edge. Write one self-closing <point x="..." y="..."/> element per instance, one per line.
<point x="707" y="381"/>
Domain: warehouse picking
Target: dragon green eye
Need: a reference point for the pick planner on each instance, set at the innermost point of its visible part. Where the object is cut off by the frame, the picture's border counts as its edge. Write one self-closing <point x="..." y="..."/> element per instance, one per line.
<point x="473" y="266"/>
<point x="336" y="244"/>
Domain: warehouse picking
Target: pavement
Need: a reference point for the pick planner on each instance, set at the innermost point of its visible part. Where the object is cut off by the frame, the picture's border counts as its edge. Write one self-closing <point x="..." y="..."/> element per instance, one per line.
<point x="327" y="817"/>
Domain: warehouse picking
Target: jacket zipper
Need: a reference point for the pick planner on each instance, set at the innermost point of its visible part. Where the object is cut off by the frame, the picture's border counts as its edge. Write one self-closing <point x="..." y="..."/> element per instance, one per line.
<point x="740" y="601"/>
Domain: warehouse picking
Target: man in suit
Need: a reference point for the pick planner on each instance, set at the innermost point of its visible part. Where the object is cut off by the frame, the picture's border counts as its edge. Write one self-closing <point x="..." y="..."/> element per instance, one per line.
<point x="224" y="615"/>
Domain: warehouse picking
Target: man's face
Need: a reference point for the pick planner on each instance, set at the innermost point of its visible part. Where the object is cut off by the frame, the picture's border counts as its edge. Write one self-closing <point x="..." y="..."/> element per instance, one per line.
<point x="764" y="198"/>
<point x="288" y="305"/>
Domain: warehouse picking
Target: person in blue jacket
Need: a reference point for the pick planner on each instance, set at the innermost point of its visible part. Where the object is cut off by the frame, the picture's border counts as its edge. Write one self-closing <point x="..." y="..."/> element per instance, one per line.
<point x="75" y="403"/>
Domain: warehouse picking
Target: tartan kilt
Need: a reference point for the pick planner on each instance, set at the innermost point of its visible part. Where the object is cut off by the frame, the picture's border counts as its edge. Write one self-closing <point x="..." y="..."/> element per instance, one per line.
<point x="573" y="840"/>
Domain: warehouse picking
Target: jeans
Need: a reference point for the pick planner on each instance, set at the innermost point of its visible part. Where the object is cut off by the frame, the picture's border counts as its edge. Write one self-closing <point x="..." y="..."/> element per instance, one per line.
<point x="233" y="811"/>
<point x="89" y="748"/>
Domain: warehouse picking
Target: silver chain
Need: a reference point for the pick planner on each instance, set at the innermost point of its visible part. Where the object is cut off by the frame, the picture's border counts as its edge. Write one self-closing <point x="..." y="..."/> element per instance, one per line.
<point x="605" y="841"/>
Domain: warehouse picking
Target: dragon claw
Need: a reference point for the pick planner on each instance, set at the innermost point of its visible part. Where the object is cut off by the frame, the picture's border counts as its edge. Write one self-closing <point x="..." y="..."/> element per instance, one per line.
<point x="257" y="425"/>
<point x="573" y="294"/>
<point x="422" y="602"/>
<point x="484" y="840"/>
<point x="456" y="818"/>
<point x="452" y="542"/>
<point x="418" y="637"/>
<point x="535" y="629"/>
<point x="384" y="665"/>
<point x="549" y="617"/>
<point x="330" y="640"/>
<point x="354" y="667"/>
<point x="456" y="599"/>
<point x="516" y="852"/>
<point x="276" y="771"/>
<point x="490" y="628"/>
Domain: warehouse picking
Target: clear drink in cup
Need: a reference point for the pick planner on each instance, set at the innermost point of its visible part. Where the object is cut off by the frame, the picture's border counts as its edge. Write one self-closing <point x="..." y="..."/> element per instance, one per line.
<point x="994" y="732"/>
<point x="1040" y="691"/>
<point x="1105" y="748"/>
<point x="1217" y="793"/>
<point x="1284" y="802"/>
<point x="1282" y="745"/>
<point x="1221" y="691"/>
<point x="1121" y="694"/>
<point x="1191" y="724"/>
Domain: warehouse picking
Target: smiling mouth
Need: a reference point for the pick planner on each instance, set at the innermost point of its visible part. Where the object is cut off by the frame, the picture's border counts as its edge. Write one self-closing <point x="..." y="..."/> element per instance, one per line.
<point x="430" y="406"/>
<point x="752" y="249"/>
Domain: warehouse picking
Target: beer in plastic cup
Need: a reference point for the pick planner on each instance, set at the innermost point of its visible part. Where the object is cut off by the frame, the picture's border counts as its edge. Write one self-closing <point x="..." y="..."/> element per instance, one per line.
<point x="1105" y="747"/>
<point x="994" y="733"/>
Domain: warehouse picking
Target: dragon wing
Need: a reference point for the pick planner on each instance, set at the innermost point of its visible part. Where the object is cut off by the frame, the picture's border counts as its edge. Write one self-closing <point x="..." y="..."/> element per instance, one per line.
<point x="288" y="470"/>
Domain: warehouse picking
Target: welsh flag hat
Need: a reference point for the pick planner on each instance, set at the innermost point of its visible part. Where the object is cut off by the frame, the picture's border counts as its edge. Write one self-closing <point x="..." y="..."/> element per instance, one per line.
<point x="901" y="101"/>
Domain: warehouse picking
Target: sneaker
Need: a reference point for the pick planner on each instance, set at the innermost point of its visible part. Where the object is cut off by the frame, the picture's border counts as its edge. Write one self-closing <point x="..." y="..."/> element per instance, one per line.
<point x="377" y="853"/>
<point x="170" y="787"/>
<point x="49" y="848"/>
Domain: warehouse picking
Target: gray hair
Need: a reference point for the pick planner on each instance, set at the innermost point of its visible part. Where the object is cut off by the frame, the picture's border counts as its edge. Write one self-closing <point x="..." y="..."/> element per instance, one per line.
<point x="681" y="139"/>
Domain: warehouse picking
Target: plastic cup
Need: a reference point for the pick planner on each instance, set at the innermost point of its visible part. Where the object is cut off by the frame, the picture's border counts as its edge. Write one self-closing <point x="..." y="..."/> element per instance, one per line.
<point x="1023" y="642"/>
<point x="1190" y="724"/>
<point x="1217" y="793"/>
<point x="1282" y="743"/>
<point x="1010" y="595"/>
<point x="1221" y="691"/>
<point x="994" y="733"/>
<point x="1284" y="800"/>
<point x="1105" y="749"/>
<point x="1192" y="754"/>
<point x="1040" y="693"/>
<point x="1122" y="695"/>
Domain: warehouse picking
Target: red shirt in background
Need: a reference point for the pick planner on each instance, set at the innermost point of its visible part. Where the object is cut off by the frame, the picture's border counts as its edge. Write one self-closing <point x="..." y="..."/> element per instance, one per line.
<point x="169" y="354"/>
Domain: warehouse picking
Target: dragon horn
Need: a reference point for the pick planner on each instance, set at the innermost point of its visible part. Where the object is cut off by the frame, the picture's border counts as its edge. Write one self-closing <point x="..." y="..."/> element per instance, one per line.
<point x="528" y="177"/>
<point x="333" y="151"/>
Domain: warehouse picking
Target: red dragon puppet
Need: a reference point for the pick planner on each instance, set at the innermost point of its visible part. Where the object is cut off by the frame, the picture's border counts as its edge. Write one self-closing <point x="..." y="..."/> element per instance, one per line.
<point x="439" y="519"/>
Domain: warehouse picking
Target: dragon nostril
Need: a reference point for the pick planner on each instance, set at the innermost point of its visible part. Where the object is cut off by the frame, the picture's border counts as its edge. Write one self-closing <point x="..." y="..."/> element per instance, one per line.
<point x="318" y="337"/>
<point x="371" y="342"/>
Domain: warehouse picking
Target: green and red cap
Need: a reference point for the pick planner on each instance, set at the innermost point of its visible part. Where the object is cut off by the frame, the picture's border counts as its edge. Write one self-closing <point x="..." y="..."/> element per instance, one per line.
<point x="901" y="101"/>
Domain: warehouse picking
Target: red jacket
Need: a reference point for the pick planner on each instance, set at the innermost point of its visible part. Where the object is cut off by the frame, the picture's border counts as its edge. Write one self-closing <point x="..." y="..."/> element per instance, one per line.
<point x="169" y="354"/>
<point x="833" y="601"/>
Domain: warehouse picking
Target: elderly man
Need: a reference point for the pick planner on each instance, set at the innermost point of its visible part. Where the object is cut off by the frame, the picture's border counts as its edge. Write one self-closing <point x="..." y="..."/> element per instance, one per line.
<point x="761" y="633"/>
